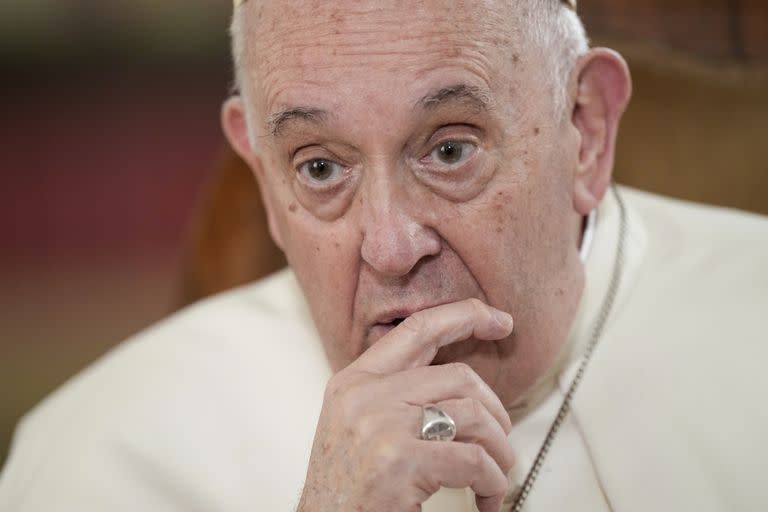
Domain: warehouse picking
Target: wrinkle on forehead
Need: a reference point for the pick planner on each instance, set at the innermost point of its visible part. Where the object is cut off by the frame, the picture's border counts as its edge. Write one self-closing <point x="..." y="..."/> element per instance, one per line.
<point x="312" y="42"/>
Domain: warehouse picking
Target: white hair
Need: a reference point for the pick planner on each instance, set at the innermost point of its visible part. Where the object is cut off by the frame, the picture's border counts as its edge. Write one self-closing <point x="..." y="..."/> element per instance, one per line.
<point x="557" y="31"/>
<point x="548" y="25"/>
<point x="238" y="41"/>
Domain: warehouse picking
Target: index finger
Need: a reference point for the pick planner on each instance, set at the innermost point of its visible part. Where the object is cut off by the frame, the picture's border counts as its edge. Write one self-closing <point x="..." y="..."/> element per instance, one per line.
<point x="417" y="339"/>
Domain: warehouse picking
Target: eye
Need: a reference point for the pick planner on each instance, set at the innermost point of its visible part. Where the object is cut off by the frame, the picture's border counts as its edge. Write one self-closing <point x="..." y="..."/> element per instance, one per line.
<point x="452" y="152"/>
<point x="320" y="170"/>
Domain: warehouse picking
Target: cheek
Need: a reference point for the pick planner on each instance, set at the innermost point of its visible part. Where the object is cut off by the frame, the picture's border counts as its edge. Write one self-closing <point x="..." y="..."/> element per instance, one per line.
<point x="507" y="239"/>
<point x="324" y="257"/>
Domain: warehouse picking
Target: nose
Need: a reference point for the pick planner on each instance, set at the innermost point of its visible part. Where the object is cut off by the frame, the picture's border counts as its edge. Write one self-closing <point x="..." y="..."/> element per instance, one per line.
<point x="395" y="237"/>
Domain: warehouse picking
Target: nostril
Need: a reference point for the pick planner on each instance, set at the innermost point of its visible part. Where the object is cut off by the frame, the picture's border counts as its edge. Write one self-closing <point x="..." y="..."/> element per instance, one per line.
<point x="397" y="321"/>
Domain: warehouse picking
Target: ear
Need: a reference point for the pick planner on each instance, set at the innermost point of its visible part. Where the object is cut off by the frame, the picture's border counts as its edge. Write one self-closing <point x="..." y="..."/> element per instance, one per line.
<point x="603" y="90"/>
<point x="235" y="126"/>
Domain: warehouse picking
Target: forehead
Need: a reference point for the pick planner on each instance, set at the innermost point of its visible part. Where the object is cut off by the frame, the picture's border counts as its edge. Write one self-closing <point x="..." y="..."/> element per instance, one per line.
<point x="313" y="47"/>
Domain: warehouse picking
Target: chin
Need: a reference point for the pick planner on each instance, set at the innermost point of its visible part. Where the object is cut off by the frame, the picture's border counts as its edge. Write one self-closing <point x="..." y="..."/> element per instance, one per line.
<point x="482" y="356"/>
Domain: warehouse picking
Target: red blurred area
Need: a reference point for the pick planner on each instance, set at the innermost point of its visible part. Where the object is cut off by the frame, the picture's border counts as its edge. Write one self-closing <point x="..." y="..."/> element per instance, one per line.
<point x="104" y="170"/>
<point x="100" y="174"/>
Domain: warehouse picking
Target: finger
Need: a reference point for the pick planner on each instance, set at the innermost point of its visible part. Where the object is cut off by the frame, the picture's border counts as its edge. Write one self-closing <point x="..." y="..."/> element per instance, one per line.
<point x="489" y="504"/>
<point x="417" y="339"/>
<point x="456" y="465"/>
<point x="474" y="424"/>
<point x="432" y="384"/>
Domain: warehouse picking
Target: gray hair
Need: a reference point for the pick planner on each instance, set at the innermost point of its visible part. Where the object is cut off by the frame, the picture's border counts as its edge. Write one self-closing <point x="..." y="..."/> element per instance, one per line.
<point x="549" y="25"/>
<point x="556" y="30"/>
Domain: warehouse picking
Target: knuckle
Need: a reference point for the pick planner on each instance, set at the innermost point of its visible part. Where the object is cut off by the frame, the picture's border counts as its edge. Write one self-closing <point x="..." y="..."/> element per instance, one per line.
<point x="510" y="461"/>
<point x="335" y="387"/>
<point x="428" y="483"/>
<point x="415" y="322"/>
<point x="503" y="487"/>
<point x="476" y="412"/>
<point x="464" y="373"/>
<point x="479" y="307"/>
<point x="482" y="311"/>
<point x="343" y="399"/>
<point x="475" y="457"/>
<point x="476" y="303"/>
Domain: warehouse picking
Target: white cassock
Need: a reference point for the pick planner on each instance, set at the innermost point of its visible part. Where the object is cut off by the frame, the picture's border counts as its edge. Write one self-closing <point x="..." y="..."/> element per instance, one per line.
<point x="215" y="408"/>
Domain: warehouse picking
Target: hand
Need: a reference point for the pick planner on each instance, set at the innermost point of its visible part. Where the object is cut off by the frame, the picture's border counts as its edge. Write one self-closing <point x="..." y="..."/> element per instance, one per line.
<point x="367" y="453"/>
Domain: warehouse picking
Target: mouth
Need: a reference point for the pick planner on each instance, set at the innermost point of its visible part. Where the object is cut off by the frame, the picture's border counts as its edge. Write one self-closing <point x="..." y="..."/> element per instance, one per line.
<point x="391" y="319"/>
<point x="386" y="322"/>
<point x="390" y="322"/>
<point x="379" y="329"/>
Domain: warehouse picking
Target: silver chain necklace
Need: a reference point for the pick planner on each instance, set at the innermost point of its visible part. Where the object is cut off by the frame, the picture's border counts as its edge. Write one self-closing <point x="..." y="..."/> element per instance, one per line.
<point x="597" y="330"/>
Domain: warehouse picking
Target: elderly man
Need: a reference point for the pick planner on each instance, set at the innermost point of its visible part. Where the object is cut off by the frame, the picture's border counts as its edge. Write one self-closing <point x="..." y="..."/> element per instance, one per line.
<point x="472" y="315"/>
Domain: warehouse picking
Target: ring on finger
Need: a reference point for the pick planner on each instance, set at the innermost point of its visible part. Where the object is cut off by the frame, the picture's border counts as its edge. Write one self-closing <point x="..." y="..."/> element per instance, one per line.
<point x="437" y="425"/>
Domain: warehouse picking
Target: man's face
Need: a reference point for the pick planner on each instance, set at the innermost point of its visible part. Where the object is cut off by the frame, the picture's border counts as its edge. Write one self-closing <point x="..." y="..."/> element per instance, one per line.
<point x="411" y="157"/>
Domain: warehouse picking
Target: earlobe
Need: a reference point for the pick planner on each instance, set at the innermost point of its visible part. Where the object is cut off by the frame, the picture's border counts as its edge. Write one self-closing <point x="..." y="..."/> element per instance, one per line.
<point x="603" y="90"/>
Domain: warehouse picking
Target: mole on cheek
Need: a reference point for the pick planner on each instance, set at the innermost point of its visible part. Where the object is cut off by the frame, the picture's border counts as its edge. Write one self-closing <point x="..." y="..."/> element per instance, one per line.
<point x="292" y="207"/>
<point x="501" y="200"/>
<point x="536" y="130"/>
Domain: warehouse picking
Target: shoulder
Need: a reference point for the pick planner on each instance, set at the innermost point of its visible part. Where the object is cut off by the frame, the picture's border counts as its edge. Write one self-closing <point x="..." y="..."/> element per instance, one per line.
<point x="679" y="222"/>
<point x="717" y="258"/>
<point x="680" y="369"/>
<point x="195" y="402"/>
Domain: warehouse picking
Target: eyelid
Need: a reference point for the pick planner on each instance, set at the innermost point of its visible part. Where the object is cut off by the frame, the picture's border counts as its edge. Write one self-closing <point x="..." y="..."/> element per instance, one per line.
<point x="308" y="152"/>
<point x="458" y="132"/>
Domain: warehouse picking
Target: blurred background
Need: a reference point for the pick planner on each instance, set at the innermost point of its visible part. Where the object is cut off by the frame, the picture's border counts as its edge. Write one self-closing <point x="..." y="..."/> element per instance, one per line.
<point x="119" y="201"/>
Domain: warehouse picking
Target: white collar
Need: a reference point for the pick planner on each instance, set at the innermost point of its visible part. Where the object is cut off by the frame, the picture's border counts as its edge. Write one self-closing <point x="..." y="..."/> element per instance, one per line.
<point x="588" y="235"/>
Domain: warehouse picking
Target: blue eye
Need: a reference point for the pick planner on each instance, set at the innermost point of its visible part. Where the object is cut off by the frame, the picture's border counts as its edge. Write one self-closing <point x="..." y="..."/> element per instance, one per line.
<point x="320" y="170"/>
<point x="452" y="152"/>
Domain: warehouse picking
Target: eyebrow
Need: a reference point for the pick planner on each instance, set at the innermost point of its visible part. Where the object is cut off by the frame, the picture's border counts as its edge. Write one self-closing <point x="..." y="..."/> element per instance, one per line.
<point x="278" y="121"/>
<point x="462" y="93"/>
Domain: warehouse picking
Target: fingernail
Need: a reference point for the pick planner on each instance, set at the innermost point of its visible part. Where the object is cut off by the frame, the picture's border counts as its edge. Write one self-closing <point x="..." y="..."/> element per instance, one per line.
<point x="504" y="319"/>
